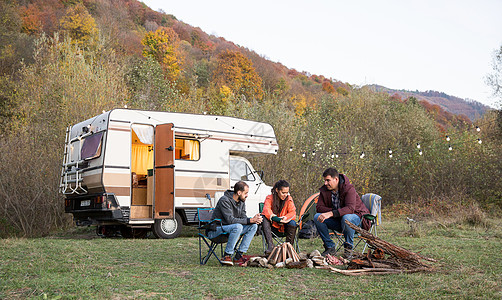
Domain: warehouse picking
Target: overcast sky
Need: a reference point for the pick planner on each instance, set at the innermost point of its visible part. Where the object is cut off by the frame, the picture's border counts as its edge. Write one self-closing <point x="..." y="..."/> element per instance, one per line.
<point x="420" y="45"/>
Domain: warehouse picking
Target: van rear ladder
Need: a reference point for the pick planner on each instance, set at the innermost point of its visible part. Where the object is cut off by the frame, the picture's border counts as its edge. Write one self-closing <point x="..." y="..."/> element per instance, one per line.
<point x="71" y="173"/>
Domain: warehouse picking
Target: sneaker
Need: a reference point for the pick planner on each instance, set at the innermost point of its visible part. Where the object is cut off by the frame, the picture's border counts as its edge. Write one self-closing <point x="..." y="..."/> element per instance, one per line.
<point x="240" y="261"/>
<point x="330" y="251"/>
<point x="238" y="255"/>
<point x="227" y="260"/>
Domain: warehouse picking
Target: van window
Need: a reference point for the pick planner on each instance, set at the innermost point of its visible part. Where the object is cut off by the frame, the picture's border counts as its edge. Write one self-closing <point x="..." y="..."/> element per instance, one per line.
<point x="92" y="146"/>
<point x="187" y="149"/>
<point x="239" y="170"/>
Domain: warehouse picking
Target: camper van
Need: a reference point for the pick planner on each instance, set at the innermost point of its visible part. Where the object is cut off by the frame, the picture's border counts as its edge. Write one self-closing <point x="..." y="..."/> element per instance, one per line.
<point x="131" y="172"/>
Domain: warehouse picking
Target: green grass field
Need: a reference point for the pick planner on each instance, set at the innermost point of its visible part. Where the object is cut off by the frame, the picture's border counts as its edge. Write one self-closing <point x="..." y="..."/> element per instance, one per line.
<point x="78" y="265"/>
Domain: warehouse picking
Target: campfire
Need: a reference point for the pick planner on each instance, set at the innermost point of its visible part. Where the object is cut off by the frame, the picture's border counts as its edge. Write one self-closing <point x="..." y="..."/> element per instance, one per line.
<point x="382" y="258"/>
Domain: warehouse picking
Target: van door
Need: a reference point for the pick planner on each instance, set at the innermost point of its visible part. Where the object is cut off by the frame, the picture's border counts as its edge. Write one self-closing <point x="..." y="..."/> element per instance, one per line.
<point x="164" y="172"/>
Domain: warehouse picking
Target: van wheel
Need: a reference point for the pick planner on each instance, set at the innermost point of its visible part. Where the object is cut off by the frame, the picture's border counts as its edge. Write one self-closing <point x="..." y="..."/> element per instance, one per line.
<point x="168" y="228"/>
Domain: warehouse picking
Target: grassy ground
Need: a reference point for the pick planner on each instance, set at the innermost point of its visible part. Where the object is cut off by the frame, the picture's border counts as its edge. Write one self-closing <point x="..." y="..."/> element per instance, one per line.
<point x="78" y="265"/>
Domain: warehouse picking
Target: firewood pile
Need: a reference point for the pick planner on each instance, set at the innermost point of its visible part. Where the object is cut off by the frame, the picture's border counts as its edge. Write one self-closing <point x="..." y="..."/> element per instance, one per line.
<point x="382" y="258"/>
<point x="285" y="256"/>
<point x="398" y="259"/>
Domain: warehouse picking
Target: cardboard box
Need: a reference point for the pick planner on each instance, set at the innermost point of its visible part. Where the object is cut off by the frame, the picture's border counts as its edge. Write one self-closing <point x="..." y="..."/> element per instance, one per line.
<point x="139" y="196"/>
<point x="141" y="211"/>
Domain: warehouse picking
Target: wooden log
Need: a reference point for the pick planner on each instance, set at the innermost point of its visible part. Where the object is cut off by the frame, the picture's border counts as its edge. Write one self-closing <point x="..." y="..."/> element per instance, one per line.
<point x="296" y="258"/>
<point x="297" y="265"/>
<point x="272" y="253"/>
<point x="411" y="258"/>
<point x="290" y="252"/>
<point x="284" y="252"/>
<point x="275" y="258"/>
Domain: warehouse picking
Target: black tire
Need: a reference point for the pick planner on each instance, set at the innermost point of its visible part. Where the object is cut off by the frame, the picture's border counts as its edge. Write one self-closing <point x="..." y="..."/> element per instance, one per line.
<point x="126" y="232"/>
<point x="106" y="231"/>
<point x="168" y="228"/>
<point x="140" y="233"/>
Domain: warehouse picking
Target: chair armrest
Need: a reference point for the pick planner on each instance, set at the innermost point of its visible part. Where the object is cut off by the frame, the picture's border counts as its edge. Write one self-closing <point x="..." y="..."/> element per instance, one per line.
<point x="212" y="225"/>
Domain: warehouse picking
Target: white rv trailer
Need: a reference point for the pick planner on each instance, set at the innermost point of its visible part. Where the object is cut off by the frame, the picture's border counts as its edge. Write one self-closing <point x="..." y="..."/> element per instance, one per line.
<point x="136" y="171"/>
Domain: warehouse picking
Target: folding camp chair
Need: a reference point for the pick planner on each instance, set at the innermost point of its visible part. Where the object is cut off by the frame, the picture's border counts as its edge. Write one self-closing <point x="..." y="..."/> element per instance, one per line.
<point x="206" y="223"/>
<point x="373" y="203"/>
<point x="277" y="236"/>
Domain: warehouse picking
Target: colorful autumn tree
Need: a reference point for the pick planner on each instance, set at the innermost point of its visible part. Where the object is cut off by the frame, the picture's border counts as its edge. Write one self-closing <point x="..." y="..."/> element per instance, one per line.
<point x="31" y="19"/>
<point x="328" y="87"/>
<point x="236" y="71"/>
<point x="162" y="45"/>
<point x="79" y="25"/>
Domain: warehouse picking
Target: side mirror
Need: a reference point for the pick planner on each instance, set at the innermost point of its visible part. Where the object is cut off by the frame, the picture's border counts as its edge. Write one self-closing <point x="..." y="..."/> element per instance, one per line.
<point x="261" y="174"/>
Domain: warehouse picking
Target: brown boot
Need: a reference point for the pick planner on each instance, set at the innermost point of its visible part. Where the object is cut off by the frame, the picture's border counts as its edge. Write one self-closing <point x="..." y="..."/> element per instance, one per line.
<point x="290" y="233"/>
<point x="267" y="233"/>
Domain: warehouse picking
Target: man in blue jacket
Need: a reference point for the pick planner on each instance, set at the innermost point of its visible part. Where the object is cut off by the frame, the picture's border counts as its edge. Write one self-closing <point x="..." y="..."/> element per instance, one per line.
<point x="231" y="210"/>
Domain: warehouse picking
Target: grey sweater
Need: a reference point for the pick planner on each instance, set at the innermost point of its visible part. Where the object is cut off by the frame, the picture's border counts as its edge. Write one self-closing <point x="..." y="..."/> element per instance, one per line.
<point x="230" y="211"/>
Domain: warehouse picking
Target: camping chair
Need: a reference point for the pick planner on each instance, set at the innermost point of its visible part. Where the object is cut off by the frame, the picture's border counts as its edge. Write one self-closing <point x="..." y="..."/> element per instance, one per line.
<point x="206" y="223"/>
<point x="307" y="213"/>
<point x="373" y="203"/>
<point x="277" y="236"/>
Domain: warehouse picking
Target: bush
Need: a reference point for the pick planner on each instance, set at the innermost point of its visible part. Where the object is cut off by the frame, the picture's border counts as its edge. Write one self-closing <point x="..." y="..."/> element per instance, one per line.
<point x="64" y="86"/>
<point x="445" y="210"/>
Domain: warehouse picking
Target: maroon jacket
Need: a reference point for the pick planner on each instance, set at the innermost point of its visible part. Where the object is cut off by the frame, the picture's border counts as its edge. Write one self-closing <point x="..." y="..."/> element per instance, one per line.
<point x="350" y="203"/>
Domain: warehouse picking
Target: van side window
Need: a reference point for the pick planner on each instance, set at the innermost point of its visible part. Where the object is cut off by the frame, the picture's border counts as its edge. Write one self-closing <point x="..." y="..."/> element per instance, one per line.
<point x="187" y="149"/>
<point x="92" y="146"/>
<point x="239" y="170"/>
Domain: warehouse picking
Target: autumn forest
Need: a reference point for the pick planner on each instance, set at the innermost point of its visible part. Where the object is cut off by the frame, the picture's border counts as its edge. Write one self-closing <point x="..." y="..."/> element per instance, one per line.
<point x="63" y="61"/>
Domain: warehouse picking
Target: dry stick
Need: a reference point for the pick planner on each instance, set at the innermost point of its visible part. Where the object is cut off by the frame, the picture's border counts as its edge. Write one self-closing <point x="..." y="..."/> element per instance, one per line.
<point x="284" y="252"/>
<point x="296" y="258"/>
<point x="389" y="248"/>
<point x="365" y="273"/>
<point x="275" y="252"/>
<point x="293" y="253"/>
<point x="272" y="253"/>
<point x="278" y="255"/>
<point x="290" y="254"/>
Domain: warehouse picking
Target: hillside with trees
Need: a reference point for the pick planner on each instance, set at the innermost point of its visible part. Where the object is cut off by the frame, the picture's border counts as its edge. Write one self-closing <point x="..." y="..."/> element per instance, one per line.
<point x="63" y="61"/>
<point x="451" y="104"/>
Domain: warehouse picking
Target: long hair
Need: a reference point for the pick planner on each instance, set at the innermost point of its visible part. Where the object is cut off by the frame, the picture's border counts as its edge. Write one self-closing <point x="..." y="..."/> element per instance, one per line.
<point x="277" y="204"/>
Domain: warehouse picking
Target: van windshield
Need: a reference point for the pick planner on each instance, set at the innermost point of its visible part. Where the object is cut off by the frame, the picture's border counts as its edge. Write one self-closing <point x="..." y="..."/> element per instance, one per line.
<point x="239" y="170"/>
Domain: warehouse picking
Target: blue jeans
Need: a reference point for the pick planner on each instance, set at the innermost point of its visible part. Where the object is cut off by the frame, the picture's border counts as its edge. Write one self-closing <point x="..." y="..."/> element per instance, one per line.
<point x="235" y="231"/>
<point x="337" y="224"/>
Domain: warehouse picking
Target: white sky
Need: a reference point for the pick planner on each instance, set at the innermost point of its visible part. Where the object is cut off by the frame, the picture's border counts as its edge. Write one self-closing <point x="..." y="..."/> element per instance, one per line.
<point x="441" y="45"/>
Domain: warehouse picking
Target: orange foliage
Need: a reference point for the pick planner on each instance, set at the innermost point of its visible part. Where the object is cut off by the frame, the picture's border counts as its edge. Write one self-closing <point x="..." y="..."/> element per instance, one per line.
<point x="41" y="16"/>
<point x="237" y="72"/>
<point x="79" y="25"/>
<point x="30" y="16"/>
<point x="396" y="97"/>
<point x="200" y="40"/>
<point x="327" y="87"/>
<point x="163" y="46"/>
<point x="444" y="118"/>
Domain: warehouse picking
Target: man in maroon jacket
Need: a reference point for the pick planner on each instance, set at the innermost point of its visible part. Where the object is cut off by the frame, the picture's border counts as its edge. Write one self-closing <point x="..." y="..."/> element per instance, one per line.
<point x="338" y="201"/>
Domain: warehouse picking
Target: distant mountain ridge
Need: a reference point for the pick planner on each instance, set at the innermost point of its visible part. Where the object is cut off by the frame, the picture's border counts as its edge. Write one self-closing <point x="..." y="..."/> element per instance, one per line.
<point x="455" y="105"/>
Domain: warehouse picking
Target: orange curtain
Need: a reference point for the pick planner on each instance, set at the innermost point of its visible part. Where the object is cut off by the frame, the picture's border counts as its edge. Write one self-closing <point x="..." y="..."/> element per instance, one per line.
<point x="141" y="159"/>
